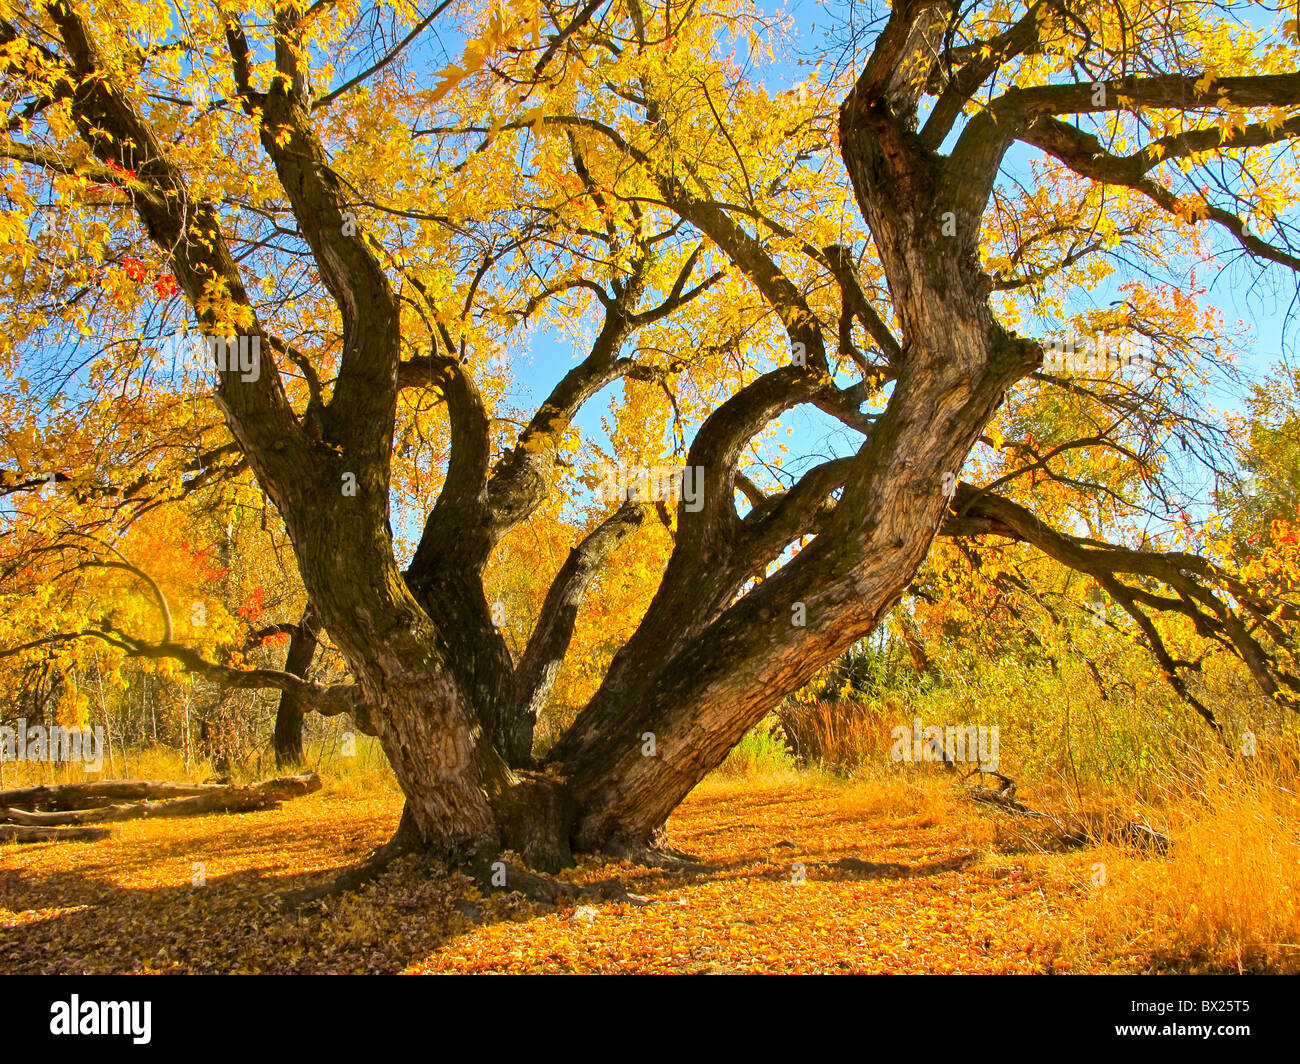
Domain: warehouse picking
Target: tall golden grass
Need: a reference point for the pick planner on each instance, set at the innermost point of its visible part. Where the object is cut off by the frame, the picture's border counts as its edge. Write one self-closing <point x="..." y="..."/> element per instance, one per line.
<point x="1226" y="896"/>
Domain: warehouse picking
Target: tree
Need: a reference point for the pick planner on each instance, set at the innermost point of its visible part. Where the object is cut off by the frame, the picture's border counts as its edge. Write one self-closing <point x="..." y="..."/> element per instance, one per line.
<point x="1268" y="489"/>
<point x="383" y="243"/>
<point x="289" y="713"/>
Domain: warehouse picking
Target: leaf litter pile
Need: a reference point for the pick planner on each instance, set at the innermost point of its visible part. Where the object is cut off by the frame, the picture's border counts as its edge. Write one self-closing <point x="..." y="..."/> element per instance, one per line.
<point x="799" y="877"/>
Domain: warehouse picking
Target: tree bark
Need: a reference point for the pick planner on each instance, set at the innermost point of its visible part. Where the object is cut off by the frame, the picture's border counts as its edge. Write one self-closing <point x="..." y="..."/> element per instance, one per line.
<point x="289" y="714"/>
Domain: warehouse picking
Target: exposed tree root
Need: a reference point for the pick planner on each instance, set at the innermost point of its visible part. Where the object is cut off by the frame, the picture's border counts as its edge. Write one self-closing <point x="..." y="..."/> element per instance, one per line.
<point x="495" y="873"/>
<point x="660" y="856"/>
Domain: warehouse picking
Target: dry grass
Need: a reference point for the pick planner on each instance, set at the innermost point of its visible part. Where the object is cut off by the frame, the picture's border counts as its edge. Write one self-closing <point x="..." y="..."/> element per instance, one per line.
<point x="1227" y="895"/>
<point x="845" y="736"/>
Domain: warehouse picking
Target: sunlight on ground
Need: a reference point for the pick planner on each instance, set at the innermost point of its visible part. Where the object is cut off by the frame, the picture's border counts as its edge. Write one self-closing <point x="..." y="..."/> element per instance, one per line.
<point x="805" y="876"/>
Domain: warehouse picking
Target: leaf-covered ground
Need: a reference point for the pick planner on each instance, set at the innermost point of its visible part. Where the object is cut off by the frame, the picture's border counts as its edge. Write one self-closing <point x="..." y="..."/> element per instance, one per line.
<point x="803" y="877"/>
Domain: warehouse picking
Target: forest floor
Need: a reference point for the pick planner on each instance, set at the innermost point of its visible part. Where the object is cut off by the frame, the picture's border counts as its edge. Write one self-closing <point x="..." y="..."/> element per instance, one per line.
<point x="804" y="875"/>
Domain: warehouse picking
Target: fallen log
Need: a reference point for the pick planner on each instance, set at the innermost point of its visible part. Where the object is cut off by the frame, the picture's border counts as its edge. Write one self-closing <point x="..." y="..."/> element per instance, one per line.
<point x="212" y="798"/>
<point x="66" y="796"/>
<point x="16" y="833"/>
<point x="285" y="787"/>
<point x="237" y="801"/>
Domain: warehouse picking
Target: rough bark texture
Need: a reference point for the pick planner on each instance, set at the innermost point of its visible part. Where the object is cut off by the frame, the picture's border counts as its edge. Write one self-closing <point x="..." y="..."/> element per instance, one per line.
<point x="289" y="713"/>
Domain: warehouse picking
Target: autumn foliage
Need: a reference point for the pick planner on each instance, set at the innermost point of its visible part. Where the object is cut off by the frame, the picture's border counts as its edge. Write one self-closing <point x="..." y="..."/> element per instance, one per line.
<point x="860" y="289"/>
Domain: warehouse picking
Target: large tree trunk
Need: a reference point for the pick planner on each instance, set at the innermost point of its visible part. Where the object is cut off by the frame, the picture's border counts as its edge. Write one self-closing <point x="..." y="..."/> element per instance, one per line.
<point x="419" y="714"/>
<point x="696" y="690"/>
<point x="699" y="702"/>
<point x="427" y="690"/>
